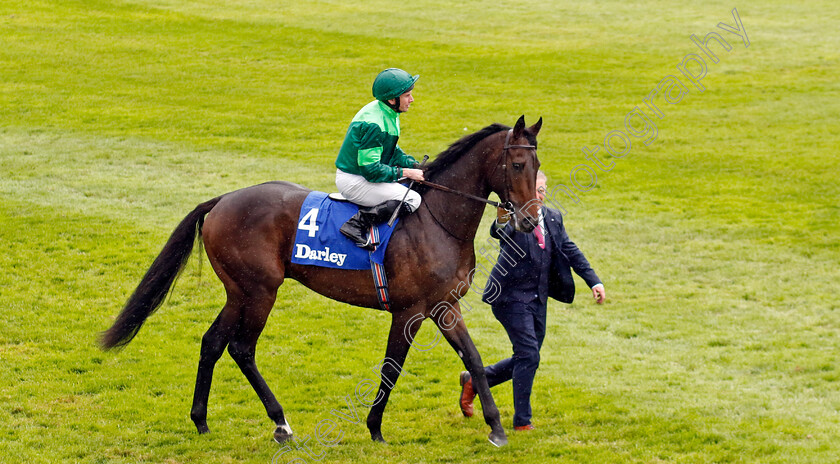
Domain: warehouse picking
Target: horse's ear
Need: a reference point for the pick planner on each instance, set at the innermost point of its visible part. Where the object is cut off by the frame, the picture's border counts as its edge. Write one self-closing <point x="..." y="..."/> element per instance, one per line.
<point x="535" y="129"/>
<point x="519" y="127"/>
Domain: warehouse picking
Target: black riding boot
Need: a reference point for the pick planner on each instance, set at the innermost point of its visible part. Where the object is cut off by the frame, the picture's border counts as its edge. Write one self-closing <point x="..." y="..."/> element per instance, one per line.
<point x="357" y="228"/>
<point x="383" y="211"/>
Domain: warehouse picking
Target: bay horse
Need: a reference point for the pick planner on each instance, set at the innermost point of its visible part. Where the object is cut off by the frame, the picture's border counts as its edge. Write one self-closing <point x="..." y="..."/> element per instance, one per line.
<point x="248" y="236"/>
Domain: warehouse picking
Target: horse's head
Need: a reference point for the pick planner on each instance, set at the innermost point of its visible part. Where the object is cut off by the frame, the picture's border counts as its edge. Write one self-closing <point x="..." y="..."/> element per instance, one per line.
<point x="514" y="175"/>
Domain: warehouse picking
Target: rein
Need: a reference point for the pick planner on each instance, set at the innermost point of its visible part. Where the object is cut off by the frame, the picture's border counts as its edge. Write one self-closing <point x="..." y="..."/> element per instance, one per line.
<point x="507" y="205"/>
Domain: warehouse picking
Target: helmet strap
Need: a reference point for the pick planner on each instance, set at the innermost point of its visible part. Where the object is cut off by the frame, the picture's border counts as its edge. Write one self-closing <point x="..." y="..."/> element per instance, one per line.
<point x="395" y="106"/>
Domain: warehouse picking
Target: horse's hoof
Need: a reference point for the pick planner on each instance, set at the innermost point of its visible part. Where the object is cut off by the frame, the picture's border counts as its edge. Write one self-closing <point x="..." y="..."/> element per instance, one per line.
<point x="283" y="433"/>
<point x="377" y="437"/>
<point x="498" y="439"/>
<point x="202" y="429"/>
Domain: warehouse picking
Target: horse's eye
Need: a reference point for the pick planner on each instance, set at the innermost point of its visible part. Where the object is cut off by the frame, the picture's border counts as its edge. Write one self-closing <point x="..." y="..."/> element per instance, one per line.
<point x="517" y="166"/>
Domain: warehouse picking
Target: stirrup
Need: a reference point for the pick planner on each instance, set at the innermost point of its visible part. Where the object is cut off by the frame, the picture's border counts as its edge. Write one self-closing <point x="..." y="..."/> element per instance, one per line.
<point x="369" y="243"/>
<point x="371" y="240"/>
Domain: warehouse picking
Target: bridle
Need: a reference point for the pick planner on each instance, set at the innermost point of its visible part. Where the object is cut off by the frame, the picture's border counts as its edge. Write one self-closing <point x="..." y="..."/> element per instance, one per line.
<point x="508" y="205"/>
<point x="505" y="203"/>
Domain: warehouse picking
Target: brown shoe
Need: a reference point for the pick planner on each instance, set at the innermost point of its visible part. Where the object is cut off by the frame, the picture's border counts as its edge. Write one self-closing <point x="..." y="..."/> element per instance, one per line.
<point x="521" y="428"/>
<point x="467" y="394"/>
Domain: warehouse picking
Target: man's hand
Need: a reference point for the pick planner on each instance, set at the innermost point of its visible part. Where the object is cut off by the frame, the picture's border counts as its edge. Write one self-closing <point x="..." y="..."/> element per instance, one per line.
<point x="599" y="293"/>
<point x="413" y="174"/>
<point x="502" y="216"/>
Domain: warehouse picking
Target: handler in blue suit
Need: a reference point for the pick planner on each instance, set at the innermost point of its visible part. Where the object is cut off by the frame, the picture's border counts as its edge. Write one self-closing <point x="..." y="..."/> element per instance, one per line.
<point x="531" y="268"/>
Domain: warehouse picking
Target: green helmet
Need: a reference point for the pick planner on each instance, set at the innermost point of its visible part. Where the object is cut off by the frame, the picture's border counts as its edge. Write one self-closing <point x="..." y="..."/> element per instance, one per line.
<point x="391" y="83"/>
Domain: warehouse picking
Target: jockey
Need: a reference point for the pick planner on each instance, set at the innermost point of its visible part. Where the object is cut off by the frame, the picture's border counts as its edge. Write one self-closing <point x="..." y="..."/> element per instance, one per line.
<point x="370" y="162"/>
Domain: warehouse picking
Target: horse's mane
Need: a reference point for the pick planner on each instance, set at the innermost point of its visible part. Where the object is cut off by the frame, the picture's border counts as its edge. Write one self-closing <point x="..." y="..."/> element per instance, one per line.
<point x="446" y="158"/>
<point x="452" y="154"/>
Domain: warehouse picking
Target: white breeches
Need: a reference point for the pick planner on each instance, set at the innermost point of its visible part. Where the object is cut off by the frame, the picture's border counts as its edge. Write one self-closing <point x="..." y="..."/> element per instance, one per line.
<point x="358" y="190"/>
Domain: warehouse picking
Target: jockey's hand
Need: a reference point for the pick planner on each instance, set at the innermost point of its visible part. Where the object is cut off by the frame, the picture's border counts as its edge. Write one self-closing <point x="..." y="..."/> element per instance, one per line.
<point x="413" y="174"/>
<point x="502" y="216"/>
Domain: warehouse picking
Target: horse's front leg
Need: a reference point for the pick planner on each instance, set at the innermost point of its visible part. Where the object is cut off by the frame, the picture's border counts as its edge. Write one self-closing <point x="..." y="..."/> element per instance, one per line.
<point x="451" y="324"/>
<point x="403" y="330"/>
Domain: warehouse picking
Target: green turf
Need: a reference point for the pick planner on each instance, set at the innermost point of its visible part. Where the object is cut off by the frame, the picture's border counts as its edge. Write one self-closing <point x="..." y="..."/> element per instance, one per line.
<point x="717" y="242"/>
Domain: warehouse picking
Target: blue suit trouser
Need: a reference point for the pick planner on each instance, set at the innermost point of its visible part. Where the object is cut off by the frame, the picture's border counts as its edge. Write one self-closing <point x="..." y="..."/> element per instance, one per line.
<point x="525" y="326"/>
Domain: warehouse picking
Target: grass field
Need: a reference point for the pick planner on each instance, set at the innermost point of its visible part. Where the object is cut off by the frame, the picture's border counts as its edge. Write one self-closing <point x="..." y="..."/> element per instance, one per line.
<point x="717" y="241"/>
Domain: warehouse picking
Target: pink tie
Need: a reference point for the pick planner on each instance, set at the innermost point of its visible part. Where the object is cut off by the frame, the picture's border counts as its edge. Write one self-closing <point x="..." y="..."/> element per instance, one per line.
<point x="540" y="237"/>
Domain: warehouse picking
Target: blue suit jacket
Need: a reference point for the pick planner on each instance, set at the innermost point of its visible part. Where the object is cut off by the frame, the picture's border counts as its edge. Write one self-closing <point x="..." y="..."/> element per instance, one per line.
<point x="525" y="271"/>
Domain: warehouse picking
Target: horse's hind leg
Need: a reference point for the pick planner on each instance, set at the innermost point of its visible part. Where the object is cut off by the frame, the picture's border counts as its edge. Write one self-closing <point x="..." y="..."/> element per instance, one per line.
<point x="242" y="349"/>
<point x="212" y="346"/>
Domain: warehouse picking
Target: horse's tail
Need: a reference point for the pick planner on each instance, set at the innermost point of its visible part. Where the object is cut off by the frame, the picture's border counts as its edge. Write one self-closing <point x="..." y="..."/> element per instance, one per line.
<point x="152" y="290"/>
